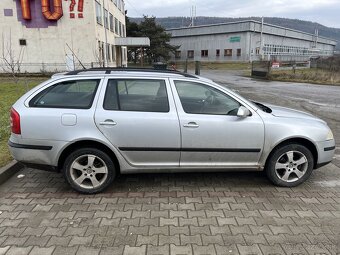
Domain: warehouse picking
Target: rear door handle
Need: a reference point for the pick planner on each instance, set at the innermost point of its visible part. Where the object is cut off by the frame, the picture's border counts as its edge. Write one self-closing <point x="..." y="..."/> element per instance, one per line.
<point x="108" y="123"/>
<point x="191" y="125"/>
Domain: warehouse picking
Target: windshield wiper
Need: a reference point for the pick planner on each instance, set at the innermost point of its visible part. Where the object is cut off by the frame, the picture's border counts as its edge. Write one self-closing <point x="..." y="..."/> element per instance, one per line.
<point x="263" y="107"/>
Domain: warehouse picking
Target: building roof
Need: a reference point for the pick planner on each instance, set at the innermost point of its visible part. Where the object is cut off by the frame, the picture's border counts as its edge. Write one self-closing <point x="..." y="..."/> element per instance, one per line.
<point x="247" y="26"/>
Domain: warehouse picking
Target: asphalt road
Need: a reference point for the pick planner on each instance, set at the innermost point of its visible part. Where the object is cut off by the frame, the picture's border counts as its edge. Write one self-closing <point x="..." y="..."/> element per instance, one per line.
<point x="322" y="101"/>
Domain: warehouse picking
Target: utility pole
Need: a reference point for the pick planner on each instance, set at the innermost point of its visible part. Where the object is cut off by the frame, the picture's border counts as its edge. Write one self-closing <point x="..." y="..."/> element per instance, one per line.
<point x="193" y="14"/>
<point x="261" y="45"/>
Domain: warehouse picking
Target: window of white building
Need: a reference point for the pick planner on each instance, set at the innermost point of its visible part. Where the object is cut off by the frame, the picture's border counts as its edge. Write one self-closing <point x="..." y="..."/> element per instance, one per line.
<point x="106" y="18"/>
<point x="99" y="13"/>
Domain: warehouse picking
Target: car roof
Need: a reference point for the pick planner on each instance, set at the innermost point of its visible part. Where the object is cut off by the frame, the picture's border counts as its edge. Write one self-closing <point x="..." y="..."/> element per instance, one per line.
<point x="127" y="72"/>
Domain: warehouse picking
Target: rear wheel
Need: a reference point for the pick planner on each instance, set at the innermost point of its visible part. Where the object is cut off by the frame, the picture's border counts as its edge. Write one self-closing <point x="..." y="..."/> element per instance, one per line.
<point x="89" y="170"/>
<point x="290" y="165"/>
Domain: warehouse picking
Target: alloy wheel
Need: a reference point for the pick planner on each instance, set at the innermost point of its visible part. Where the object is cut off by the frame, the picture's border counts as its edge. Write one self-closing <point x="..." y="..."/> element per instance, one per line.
<point x="88" y="171"/>
<point x="291" y="166"/>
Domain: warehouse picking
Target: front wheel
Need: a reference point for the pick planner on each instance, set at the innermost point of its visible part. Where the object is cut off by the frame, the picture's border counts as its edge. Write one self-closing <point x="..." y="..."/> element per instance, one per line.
<point x="290" y="165"/>
<point x="89" y="170"/>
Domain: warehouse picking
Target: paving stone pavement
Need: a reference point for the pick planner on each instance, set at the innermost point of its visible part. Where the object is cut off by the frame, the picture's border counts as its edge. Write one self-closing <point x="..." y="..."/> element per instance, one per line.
<point x="197" y="213"/>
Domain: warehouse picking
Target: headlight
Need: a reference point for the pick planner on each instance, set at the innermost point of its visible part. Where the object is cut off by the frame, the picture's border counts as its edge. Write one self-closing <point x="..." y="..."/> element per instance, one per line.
<point x="330" y="135"/>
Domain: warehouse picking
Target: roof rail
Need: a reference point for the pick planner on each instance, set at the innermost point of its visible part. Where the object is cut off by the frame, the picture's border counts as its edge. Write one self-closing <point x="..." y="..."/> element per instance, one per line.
<point x="108" y="70"/>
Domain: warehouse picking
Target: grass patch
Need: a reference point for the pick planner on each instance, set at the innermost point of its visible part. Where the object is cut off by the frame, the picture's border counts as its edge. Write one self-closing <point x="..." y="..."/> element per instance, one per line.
<point x="317" y="76"/>
<point x="9" y="93"/>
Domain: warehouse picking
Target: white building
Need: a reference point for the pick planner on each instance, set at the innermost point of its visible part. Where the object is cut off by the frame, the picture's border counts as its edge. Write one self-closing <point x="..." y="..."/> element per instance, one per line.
<point x="247" y="41"/>
<point x="37" y="37"/>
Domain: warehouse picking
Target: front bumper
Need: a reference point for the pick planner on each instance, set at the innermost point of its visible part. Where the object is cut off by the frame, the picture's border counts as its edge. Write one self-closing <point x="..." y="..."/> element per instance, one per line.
<point x="326" y="150"/>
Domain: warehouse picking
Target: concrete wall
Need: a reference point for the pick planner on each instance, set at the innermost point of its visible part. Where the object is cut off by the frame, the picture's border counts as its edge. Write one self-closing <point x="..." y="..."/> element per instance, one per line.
<point x="46" y="48"/>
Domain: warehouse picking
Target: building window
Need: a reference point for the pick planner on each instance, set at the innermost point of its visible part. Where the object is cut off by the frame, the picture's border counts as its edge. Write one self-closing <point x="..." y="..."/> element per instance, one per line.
<point x="116" y="26"/>
<point x="238" y="52"/>
<point x="123" y="7"/>
<point x="191" y="54"/>
<point x="100" y="53"/>
<point x="22" y="42"/>
<point x="111" y="22"/>
<point x="120" y="29"/>
<point x="108" y="55"/>
<point x="257" y="51"/>
<point x="106" y="17"/>
<point x="124" y="30"/>
<point x="228" y="52"/>
<point x="204" y="53"/>
<point x="113" y="53"/>
<point x="99" y="13"/>
<point x="178" y="54"/>
<point x="124" y="54"/>
<point x="217" y="53"/>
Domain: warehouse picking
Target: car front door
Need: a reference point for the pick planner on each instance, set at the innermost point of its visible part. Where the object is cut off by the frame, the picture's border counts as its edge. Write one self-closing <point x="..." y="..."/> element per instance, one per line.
<point x="212" y="133"/>
<point x="139" y="118"/>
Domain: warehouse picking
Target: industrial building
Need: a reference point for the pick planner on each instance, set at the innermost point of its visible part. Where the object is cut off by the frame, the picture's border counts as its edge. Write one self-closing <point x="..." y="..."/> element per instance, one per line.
<point x="247" y="41"/>
<point x="60" y="35"/>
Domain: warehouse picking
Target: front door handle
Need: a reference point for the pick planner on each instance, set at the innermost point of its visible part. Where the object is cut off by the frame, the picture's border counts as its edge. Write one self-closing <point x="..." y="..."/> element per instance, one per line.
<point x="108" y="123"/>
<point x="191" y="125"/>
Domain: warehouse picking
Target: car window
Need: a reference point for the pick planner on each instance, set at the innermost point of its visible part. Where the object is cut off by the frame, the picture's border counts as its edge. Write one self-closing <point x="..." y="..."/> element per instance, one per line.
<point x="136" y="95"/>
<point x="197" y="98"/>
<point x="78" y="94"/>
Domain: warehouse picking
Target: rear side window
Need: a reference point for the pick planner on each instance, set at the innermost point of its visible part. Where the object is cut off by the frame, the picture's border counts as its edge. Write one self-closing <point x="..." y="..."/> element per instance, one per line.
<point x="136" y="95"/>
<point x="69" y="94"/>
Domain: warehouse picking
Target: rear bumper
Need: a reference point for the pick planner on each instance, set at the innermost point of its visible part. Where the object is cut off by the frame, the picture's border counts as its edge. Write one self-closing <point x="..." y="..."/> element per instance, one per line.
<point x="36" y="152"/>
<point x="29" y="147"/>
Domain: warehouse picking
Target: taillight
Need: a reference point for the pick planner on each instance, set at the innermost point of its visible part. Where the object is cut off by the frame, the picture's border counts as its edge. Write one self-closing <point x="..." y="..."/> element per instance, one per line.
<point x="15" y="122"/>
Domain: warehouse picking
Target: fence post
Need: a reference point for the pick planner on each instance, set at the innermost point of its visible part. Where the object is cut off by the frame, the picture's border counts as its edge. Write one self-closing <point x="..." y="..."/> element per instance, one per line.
<point x="186" y="66"/>
<point x="197" y="67"/>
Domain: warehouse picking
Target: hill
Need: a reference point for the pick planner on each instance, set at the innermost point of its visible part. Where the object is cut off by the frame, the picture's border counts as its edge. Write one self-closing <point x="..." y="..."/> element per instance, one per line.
<point x="301" y="25"/>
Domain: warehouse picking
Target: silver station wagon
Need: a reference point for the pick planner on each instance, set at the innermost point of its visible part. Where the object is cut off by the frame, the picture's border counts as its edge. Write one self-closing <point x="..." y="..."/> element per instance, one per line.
<point x="94" y="124"/>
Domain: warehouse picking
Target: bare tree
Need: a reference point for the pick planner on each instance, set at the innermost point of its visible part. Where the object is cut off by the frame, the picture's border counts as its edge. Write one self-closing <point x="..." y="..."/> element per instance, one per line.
<point x="11" y="61"/>
<point x="98" y="56"/>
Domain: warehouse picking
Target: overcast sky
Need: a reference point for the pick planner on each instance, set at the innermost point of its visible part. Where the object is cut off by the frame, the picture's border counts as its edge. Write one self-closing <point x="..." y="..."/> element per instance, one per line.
<point x="326" y="12"/>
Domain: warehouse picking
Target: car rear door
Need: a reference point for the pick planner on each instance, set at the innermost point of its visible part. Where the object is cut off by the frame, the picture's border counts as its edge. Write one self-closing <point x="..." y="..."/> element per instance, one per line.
<point x="139" y="117"/>
<point x="212" y="134"/>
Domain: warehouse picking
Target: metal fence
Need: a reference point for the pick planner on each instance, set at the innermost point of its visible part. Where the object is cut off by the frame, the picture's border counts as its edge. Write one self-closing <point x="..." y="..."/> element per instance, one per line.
<point x="329" y="64"/>
<point x="42" y="68"/>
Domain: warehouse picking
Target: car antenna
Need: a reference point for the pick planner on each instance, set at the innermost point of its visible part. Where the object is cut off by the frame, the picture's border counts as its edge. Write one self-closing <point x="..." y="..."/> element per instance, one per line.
<point x="75" y="56"/>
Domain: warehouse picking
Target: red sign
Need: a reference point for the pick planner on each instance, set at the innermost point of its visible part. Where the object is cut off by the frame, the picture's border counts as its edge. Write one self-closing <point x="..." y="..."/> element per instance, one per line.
<point x="57" y="12"/>
<point x="276" y="65"/>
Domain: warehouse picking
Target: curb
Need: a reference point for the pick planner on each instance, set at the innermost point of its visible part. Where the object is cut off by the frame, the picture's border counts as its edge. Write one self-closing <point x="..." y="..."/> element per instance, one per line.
<point x="9" y="170"/>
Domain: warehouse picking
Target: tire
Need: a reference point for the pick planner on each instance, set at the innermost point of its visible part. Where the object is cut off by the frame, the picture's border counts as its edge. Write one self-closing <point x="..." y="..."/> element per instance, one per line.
<point x="290" y="165"/>
<point x="89" y="170"/>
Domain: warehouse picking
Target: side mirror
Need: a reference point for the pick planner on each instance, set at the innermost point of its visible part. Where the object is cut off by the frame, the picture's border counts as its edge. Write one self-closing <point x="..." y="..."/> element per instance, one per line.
<point x="243" y="112"/>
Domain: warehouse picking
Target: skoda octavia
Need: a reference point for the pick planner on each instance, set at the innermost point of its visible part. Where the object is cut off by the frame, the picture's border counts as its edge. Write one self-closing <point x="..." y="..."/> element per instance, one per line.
<point x="93" y="124"/>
